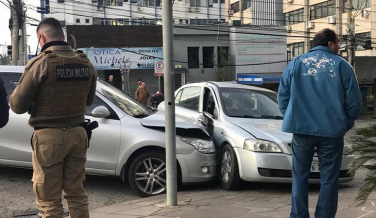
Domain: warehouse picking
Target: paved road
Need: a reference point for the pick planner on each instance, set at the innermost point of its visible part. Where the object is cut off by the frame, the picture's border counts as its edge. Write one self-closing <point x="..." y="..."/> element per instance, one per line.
<point x="16" y="193"/>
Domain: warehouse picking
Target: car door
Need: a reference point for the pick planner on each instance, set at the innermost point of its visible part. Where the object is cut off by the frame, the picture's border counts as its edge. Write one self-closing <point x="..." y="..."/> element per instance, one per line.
<point x="209" y="118"/>
<point x="15" y="147"/>
<point x="187" y="102"/>
<point x="102" y="155"/>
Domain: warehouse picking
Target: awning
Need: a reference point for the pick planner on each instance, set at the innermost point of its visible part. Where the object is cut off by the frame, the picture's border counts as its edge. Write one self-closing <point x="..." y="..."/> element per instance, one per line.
<point x="259" y="79"/>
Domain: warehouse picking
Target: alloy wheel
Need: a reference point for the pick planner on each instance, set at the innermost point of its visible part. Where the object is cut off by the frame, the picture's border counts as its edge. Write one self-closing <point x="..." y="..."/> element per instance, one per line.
<point x="151" y="176"/>
<point x="226" y="166"/>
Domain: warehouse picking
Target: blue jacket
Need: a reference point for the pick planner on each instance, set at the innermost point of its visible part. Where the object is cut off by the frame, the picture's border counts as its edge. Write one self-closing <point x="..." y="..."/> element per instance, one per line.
<point x="319" y="94"/>
<point x="4" y="107"/>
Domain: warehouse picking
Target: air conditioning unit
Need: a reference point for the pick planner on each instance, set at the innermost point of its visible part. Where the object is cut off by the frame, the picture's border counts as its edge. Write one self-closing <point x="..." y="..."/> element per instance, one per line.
<point x="289" y="1"/>
<point x="331" y="19"/>
<point x="289" y="29"/>
<point x="139" y="8"/>
<point x="139" y="4"/>
<point x="230" y="12"/>
<point x="365" y="14"/>
<point x="310" y="25"/>
<point x="190" y="9"/>
<point x="197" y="9"/>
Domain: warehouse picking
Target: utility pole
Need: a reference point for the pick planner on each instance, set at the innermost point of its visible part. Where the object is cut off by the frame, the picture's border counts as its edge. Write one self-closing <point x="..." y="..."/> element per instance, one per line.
<point x="15" y="28"/>
<point x="42" y="6"/>
<point x="350" y="34"/>
<point x="169" y="90"/>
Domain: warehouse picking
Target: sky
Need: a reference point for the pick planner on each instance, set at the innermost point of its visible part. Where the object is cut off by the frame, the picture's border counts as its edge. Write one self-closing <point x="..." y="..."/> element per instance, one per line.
<point x="5" y="35"/>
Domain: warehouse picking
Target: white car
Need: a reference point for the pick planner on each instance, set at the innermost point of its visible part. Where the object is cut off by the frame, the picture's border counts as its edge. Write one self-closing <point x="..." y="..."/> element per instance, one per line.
<point x="245" y="124"/>
<point x="129" y="143"/>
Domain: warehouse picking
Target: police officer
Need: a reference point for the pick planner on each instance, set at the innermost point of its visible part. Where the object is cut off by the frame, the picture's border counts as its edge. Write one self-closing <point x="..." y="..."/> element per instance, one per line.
<point x="55" y="88"/>
<point x="4" y="107"/>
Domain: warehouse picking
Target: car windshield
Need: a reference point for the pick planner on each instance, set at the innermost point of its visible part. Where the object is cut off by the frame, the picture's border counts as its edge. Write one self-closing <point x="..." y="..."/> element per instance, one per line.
<point x="248" y="103"/>
<point x="126" y="103"/>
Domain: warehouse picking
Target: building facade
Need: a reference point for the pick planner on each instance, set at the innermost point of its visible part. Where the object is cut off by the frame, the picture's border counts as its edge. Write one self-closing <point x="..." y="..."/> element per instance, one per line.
<point x="304" y="18"/>
<point x="135" y="12"/>
<point x="255" y="12"/>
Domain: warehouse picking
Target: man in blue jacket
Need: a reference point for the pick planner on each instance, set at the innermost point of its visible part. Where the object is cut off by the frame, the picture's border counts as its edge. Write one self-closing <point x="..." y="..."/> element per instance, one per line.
<point x="4" y="107"/>
<point x="320" y="99"/>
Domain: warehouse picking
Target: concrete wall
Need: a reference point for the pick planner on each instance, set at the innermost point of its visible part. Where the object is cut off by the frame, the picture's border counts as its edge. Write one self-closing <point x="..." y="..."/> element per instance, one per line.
<point x="198" y="37"/>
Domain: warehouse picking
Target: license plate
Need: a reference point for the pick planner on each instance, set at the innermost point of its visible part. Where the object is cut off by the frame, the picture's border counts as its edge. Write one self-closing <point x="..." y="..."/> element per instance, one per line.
<point x="315" y="166"/>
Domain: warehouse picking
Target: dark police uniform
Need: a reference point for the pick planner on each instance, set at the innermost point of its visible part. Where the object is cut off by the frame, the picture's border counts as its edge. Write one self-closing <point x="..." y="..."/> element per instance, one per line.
<point x="4" y="107"/>
<point x="55" y="88"/>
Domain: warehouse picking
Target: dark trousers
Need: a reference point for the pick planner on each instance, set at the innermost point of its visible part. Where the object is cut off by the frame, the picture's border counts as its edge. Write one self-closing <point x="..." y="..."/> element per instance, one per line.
<point x="329" y="151"/>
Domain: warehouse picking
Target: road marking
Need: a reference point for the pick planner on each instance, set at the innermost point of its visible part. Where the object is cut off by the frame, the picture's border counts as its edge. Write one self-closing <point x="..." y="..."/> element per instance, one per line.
<point x="365" y="214"/>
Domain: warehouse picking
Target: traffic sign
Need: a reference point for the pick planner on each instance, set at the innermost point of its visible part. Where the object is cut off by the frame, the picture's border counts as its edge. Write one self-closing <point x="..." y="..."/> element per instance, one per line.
<point x="159" y="68"/>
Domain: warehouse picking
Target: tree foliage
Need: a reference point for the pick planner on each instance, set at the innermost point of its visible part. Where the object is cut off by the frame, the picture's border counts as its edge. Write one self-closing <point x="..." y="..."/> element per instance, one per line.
<point x="223" y="71"/>
<point x="364" y="149"/>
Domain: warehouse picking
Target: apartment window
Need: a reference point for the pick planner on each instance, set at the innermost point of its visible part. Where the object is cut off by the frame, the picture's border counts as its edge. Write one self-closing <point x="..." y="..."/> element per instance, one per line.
<point x="208" y="57"/>
<point x="78" y="21"/>
<point x="114" y="2"/>
<point x="294" y="17"/>
<point x="215" y="1"/>
<point x="193" y="57"/>
<point x="195" y="3"/>
<point x="296" y="49"/>
<point x="363" y="41"/>
<point x="246" y="4"/>
<point x="223" y="1"/>
<point x="235" y="7"/>
<point x="125" y="0"/>
<point x="210" y="3"/>
<point x="60" y="1"/>
<point x="222" y="56"/>
<point x="323" y="9"/>
<point x="133" y="1"/>
<point x="87" y="20"/>
<point x="357" y="4"/>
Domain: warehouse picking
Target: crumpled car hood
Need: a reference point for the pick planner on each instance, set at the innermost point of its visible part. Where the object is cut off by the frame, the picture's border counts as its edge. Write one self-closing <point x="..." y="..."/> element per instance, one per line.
<point x="184" y="127"/>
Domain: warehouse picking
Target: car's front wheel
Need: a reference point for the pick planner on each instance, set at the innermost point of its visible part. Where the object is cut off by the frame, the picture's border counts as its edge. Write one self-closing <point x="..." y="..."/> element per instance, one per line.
<point x="147" y="174"/>
<point x="230" y="179"/>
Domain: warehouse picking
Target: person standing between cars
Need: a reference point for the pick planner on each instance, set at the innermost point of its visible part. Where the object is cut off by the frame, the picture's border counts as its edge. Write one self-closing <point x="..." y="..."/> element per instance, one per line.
<point x="142" y="94"/>
<point x="4" y="107"/>
<point x="111" y="80"/>
<point x="55" y="88"/>
<point x="139" y="83"/>
<point x="320" y="99"/>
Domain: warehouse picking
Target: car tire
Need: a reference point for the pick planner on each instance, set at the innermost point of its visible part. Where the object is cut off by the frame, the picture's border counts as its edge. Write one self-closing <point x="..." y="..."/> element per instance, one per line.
<point x="229" y="172"/>
<point x="147" y="174"/>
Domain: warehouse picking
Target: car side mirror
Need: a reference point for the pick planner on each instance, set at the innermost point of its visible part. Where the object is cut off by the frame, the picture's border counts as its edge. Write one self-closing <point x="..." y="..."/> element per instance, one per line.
<point x="100" y="112"/>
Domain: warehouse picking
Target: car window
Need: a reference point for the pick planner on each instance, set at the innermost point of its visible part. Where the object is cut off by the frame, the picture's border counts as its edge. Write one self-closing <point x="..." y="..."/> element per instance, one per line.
<point x="178" y="96"/>
<point x="190" y="98"/>
<point x="99" y="102"/>
<point x="10" y="82"/>
<point x="209" y="103"/>
<point x="123" y="101"/>
<point x="250" y="103"/>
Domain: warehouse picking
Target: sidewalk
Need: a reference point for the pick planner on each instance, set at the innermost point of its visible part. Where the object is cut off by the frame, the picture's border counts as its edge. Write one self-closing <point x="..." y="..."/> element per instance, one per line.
<point x="241" y="204"/>
<point x="248" y="203"/>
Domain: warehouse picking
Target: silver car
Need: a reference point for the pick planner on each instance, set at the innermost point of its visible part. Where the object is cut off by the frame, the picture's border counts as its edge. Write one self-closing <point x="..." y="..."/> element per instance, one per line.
<point x="245" y="124"/>
<point x="129" y="143"/>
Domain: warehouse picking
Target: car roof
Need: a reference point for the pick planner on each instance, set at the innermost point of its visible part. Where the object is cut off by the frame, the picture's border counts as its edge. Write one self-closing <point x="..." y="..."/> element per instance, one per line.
<point x="231" y="84"/>
<point x="12" y="69"/>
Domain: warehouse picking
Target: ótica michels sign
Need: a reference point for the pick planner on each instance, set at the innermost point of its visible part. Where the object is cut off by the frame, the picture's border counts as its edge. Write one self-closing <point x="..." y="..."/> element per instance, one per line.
<point x="112" y="58"/>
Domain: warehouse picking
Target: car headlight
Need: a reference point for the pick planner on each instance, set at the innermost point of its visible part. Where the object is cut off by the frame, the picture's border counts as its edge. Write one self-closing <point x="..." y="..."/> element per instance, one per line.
<point x="203" y="146"/>
<point x="261" y="146"/>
